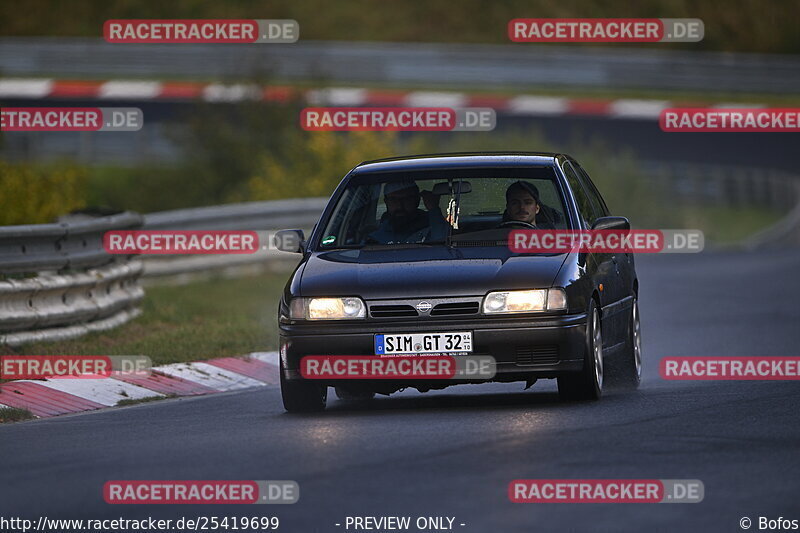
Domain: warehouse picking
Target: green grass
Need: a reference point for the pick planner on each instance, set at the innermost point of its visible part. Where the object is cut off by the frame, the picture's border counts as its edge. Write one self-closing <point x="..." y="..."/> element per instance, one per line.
<point x="728" y="225"/>
<point x="203" y="320"/>
<point x="12" y="414"/>
<point x="147" y="399"/>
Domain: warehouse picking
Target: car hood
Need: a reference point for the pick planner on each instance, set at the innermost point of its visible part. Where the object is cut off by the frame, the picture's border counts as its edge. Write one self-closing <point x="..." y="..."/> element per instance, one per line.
<point x="424" y="272"/>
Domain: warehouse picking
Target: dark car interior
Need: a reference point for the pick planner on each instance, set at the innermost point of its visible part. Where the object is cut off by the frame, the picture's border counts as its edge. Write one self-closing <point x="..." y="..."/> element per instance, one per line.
<point x="481" y="209"/>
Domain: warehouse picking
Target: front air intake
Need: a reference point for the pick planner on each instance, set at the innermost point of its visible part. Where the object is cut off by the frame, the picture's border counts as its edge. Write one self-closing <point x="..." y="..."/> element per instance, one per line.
<point x="537" y="355"/>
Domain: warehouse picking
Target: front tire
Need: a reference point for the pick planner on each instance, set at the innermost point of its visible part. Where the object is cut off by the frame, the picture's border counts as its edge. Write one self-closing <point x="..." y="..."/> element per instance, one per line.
<point x="302" y="396"/>
<point x="588" y="383"/>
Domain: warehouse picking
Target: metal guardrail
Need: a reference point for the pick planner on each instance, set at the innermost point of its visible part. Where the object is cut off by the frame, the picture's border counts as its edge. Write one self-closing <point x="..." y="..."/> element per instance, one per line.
<point x="77" y="244"/>
<point x="59" y="281"/>
<point x="405" y="64"/>
<point x="300" y="213"/>
<point x="78" y="287"/>
<point x="246" y="216"/>
<point x="698" y="184"/>
<point x="61" y="306"/>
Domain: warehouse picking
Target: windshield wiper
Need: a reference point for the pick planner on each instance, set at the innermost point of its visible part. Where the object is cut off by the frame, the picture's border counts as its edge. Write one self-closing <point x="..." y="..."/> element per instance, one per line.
<point x="400" y="245"/>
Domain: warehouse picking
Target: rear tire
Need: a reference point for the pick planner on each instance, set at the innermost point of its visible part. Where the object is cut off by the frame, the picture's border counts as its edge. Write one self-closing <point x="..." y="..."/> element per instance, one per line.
<point x="588" y="383"/>
<point x="303" y="396"/>
<point x="625" y="372"/>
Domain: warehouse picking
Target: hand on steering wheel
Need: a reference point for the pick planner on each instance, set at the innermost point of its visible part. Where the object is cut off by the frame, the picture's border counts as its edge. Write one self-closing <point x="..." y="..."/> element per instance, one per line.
<point x="512" y="223"/>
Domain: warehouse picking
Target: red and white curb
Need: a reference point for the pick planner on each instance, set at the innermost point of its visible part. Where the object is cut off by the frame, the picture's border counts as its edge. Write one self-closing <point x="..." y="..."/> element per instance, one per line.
<point x="52" y="397"/>
<point x="531" y="105"/>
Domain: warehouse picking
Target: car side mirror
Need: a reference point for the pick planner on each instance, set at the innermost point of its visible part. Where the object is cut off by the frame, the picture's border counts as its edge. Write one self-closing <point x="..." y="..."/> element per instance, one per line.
<point x="289" y="240"/>
<point x="618" y="223"/>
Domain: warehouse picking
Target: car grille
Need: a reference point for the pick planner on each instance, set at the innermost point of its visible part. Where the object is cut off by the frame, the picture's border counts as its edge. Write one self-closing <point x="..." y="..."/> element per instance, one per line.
<point x="537" y="355"/>
<point x="455" y="308"/>
<point x="391" y="311"/>
<point x="441" y="307"/>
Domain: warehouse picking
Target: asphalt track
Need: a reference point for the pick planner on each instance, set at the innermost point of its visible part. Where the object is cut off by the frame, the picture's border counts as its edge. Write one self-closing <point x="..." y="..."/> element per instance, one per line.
<point x="454" y="452"/>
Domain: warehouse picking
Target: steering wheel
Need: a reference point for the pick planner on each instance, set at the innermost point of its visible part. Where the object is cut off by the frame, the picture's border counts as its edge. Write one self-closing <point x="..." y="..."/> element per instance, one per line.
<point x="520" y="223"/>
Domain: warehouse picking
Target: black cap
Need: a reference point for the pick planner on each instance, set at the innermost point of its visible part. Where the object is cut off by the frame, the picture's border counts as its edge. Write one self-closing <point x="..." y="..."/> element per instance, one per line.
<point x="526" y="186"/>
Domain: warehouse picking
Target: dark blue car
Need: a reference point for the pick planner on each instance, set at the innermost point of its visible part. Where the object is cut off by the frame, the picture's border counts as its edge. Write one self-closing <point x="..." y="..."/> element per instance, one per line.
<point x="416" y="248"/>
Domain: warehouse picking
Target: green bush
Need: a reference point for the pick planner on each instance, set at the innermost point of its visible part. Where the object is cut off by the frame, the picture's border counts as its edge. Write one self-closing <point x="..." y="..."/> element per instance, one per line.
<point x="37" y="194"/>
<point x="316" y="166"/>
<point x="223" y="147"/>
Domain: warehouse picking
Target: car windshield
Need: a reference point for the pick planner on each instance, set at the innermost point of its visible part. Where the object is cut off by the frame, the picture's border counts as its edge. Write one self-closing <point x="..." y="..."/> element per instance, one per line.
<point x="456" y="208"/>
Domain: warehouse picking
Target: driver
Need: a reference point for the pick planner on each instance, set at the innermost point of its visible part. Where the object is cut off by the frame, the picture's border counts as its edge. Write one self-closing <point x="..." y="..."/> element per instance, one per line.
<point x="404" y="222"/>
<point x="522" y="204"/>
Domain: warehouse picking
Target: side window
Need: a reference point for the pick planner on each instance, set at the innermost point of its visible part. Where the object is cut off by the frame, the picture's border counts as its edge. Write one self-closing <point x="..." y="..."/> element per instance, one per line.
<point x="594" y="196"/>
<point x="585" y="207"/>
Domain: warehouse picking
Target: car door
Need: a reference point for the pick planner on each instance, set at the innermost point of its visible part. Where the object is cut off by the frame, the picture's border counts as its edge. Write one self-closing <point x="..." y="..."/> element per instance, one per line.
<point x="623" y="262"/>
<point x="602" y="265"/>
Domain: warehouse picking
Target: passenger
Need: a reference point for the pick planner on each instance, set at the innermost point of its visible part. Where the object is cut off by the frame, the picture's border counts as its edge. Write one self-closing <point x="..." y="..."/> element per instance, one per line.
<point x="404" y="222"/>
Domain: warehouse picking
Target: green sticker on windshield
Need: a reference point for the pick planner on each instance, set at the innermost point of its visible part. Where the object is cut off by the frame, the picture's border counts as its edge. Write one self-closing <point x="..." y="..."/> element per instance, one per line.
<point x="329" y="239"/>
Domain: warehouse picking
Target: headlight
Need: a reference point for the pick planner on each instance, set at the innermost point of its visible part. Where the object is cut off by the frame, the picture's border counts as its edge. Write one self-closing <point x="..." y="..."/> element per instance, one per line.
<point x="327" y="308"/>
<point x="525" y="301"/>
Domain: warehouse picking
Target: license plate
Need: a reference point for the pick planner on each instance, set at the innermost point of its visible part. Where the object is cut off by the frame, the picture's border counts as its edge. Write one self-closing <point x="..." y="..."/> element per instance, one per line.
<point x="459" y="342"/>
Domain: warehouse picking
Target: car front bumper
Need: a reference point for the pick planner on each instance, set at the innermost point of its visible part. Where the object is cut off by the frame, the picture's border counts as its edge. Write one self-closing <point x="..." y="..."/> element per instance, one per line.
<point x="523" y="347"/>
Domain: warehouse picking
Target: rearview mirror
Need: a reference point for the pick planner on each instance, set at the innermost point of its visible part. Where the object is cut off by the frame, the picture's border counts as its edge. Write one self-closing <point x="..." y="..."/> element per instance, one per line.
<point x="444" y="188"/>
<point x="618" y="223"/>
<point x="289" y="240"/>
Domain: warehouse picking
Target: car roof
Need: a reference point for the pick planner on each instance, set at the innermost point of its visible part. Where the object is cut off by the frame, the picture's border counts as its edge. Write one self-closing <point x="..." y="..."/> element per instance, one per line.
<point x="458" y="160"/>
